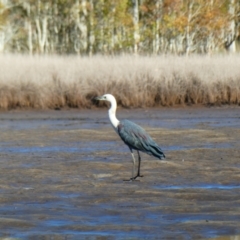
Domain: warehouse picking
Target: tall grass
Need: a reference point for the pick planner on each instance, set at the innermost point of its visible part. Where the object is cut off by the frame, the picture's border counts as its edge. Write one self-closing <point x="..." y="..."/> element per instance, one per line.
<point x="70" y="81"/>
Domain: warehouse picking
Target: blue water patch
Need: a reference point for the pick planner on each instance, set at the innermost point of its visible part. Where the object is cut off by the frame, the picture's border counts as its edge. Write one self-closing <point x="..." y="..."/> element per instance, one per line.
<point x="68" y="195"/>
<point x="204" y="146"/>
<point x="99" y="146"/>
<point x="22" y="149"/>
<point x="79" y="147"/>
<point x="200" y="186"/>
<point x="57" y="222"/>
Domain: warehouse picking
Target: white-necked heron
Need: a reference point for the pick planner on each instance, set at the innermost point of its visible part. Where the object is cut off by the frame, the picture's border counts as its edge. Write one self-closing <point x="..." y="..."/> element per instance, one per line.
<point x="134" y="136"/>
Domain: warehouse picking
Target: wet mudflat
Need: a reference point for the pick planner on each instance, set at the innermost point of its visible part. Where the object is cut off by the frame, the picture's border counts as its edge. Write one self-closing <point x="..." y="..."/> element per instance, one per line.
<point x="62" y="172"/>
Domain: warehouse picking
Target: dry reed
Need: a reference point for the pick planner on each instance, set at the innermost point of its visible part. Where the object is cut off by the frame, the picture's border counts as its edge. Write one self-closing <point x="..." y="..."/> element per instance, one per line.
<point x="70" y="81"/>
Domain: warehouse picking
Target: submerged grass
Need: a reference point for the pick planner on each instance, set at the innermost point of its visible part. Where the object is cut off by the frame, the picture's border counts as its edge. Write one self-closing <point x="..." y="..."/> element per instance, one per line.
<point x="70" y="81"/>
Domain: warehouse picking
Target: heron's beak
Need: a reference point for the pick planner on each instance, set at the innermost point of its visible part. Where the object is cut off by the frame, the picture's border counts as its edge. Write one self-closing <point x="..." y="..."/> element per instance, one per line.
<point x="98" y="98"/>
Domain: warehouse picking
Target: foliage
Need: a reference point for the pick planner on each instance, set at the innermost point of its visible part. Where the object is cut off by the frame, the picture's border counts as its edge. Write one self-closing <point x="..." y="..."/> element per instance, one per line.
<point x="107" y="26"/>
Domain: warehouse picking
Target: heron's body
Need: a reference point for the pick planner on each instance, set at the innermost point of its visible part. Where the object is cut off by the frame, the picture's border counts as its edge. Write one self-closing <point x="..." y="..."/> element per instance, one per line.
<point x="134" y="136"/>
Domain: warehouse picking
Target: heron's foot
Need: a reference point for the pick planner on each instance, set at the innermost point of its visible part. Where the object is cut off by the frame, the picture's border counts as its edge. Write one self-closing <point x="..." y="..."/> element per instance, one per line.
<point x="129" y="180"/>
<point x="137" y="176"/>
<point x="133" y="178"/>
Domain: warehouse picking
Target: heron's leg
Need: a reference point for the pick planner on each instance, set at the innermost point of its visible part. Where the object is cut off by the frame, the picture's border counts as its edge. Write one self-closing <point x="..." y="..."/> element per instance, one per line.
<point x="133" y="167"/>
<point x="139" y="165"/>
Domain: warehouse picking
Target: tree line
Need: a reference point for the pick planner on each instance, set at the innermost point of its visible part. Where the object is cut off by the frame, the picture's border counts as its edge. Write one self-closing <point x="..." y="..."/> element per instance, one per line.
<point x="87" y="27"/>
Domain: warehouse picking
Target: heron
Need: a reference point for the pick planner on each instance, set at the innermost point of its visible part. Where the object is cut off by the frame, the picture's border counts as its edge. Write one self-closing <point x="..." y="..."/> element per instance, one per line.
<point x="134" y="136"/>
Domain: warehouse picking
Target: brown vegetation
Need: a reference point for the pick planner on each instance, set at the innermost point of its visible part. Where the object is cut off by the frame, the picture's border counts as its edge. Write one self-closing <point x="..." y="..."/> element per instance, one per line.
<point x="57" y="82"/>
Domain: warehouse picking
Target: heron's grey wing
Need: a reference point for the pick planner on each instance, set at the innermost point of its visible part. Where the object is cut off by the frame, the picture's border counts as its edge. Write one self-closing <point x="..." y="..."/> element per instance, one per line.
<point x="132" y="134"/>
<point x="136" y="138"/>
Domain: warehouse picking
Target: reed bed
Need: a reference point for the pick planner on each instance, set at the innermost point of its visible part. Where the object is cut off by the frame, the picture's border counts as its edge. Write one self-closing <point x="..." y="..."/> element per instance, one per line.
<point x="144" y="81"/>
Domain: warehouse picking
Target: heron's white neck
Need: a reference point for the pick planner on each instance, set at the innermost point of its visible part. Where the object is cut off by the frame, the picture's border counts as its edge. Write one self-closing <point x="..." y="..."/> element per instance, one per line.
<point x="112" y="114"/>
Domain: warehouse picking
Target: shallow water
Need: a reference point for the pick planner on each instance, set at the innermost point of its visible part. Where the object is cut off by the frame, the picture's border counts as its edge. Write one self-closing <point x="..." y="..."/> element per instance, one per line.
<point x="200" y="186"/>
<point x="61" y="176"/>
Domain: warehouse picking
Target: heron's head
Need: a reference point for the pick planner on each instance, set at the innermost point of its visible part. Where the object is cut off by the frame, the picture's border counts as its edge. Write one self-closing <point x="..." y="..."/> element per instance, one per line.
<point x="106" y="97"/>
